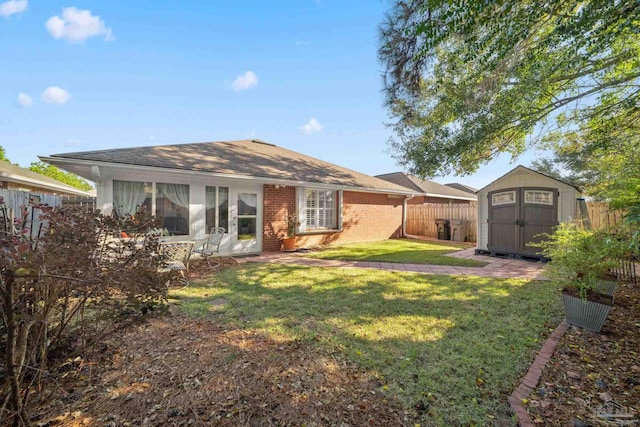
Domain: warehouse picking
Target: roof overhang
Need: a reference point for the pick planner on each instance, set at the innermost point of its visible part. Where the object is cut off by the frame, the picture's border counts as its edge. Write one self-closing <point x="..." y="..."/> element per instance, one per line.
<point x="22" y="180"/>
<point x="87" y="169"/>
<point x="447" y="196"/>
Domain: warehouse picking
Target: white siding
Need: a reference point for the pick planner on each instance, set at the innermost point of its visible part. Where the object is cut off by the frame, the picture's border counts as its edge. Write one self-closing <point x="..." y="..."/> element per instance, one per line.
<point x="197" y="206"/>
<point x="523" y="177"/>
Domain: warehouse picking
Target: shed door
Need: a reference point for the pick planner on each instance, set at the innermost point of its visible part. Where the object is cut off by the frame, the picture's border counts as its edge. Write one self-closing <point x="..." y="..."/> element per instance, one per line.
<point x="539" y="214"/>
<point x="518" y="215"/>
<point x="504" y="210"/>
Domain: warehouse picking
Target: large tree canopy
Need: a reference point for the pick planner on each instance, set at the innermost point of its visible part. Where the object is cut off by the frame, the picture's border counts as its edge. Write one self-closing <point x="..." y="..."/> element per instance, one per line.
<point x="466" y="80"/>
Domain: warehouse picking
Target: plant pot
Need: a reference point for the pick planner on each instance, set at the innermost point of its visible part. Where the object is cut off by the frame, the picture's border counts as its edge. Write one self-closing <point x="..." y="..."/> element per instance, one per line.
<point x="289" y="244"/>
<point x="585" y="313"/>
<point x="606" y="285"/>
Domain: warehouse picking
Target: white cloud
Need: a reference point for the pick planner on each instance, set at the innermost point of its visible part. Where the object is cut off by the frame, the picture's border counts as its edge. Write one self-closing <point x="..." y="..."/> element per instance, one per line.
<point x="311" y="127"/>
<point x="245" y="81"/>
<point x="77" y="25"/>
<point x="55" y="95"/>
<point x="11" y="7"/>
<point x="24" y="100"/>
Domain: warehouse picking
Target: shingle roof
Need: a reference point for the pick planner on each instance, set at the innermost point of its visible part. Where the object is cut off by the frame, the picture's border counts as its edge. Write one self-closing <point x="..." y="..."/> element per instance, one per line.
<point x="250" y="158"/>
<point x="429" y="188"/>
<point x="19" y="175"/>
<point x="462" y="187"/>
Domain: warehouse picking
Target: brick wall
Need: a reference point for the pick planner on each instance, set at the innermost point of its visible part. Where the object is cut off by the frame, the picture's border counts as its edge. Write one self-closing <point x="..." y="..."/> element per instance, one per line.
<point x="278" y="203"/>
<point x="366" y="217"/>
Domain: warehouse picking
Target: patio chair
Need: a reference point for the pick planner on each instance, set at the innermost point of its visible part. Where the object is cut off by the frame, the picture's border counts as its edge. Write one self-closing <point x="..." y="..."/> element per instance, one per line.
<point x="175" y="257"/>
<point x="211" y="245"/>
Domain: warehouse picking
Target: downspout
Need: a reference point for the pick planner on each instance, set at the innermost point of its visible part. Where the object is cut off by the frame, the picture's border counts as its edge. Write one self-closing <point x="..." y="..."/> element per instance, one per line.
<point x="404" y="214"/>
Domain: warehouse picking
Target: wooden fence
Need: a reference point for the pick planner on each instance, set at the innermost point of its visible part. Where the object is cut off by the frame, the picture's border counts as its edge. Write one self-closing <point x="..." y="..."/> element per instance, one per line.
<point x="87" y="202"/>
<point x="421" y="219"/>
<point x="601" y="216"/>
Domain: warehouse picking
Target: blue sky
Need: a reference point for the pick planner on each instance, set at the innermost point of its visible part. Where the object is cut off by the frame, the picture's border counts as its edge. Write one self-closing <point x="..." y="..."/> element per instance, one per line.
<point x="87" y="75"/>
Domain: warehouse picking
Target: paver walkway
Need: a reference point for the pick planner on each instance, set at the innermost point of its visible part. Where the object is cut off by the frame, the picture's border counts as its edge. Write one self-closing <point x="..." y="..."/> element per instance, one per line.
<point x="496" y="267"/>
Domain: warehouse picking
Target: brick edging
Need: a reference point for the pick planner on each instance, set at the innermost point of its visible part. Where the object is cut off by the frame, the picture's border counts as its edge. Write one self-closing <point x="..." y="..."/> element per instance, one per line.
<point x="530" y="381"/>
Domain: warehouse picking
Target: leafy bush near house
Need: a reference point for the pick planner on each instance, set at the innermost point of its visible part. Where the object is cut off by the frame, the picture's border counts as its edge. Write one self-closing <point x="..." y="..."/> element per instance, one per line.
<point x="64" y="283"/>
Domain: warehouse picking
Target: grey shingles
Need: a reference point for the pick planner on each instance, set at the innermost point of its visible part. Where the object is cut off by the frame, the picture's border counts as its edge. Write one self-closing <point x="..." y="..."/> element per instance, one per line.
<point x="249" y="158"/>
<point x="430" y="188"/>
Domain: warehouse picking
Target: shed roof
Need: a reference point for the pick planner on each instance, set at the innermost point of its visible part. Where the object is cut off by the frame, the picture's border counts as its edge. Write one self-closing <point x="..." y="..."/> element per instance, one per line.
<point x="21" y="176"/>
<point x="244" y="158"/>
<point x="524" y="168"/>
<point x="425" y="187"/>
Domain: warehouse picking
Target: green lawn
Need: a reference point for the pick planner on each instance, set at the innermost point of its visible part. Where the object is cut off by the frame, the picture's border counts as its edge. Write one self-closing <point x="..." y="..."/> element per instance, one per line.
<point x="452" y="348"/>
<point x="399" y="250"/>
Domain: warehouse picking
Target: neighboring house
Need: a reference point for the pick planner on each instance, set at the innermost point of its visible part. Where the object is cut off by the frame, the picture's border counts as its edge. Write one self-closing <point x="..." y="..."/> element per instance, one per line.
<point x="248" y="187"/>
<point x="462" y="187"/>
<point x="428" y="191"/>
<point x="515" y="209"/>
<point x="13" y="177"/>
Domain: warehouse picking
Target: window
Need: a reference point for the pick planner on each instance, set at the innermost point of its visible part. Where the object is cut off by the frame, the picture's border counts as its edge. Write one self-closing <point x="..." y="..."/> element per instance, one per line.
<point x="504" y="198"/>
<point x="129" y="197"/>
<point x="172" y="206"/>
<point x="320" y="210"/>
<point x="538" y="197"/>
<point x="171" y="202"/>
<point x="217" y="207"/>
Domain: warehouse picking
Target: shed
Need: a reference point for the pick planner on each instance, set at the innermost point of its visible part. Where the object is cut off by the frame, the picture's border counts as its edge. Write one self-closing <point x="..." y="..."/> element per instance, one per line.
<point x="516" y="208"/>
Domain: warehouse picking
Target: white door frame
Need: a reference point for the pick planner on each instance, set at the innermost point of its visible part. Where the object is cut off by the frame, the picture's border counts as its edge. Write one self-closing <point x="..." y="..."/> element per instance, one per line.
<point x="245" y="246"/>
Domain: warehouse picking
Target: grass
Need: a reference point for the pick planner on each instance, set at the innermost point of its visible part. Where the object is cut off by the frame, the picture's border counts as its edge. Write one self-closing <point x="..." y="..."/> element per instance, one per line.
<point x="399" y="250"/>
<point x="452" y="348"/>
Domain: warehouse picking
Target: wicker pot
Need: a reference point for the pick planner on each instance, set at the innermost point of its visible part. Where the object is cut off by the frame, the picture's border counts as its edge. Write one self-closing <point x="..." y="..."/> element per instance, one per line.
<point x="584" y="313"/>
<point x="289" y="244"/>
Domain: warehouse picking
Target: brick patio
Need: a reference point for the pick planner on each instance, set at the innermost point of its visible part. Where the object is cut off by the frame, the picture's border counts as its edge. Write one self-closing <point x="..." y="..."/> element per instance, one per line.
<point x="496" y="267"/>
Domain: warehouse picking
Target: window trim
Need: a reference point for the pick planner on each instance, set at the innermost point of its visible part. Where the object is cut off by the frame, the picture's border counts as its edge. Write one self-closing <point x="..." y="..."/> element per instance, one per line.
<point x="539" y="202"/>
<point x="501" y="203"/>
<point x="301" y="205"/>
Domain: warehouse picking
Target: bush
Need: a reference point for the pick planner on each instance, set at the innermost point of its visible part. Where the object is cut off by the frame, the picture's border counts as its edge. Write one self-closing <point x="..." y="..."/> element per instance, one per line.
<point x="579" y="256"/>
<point x="64" y="279"/>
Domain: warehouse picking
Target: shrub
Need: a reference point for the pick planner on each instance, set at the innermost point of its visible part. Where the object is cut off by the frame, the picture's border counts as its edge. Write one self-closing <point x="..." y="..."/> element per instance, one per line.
<point x="63" y="279"/>
<point x="579" y="256"/>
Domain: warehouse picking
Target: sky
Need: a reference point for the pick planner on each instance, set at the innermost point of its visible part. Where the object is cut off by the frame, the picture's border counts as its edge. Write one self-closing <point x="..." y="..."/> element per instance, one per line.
<point x="79" y="75"/>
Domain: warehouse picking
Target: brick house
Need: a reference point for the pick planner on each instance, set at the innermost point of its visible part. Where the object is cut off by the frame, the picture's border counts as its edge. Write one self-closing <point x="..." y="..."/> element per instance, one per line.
<point x="428" y="191"/>
<point x="248" y="187"/>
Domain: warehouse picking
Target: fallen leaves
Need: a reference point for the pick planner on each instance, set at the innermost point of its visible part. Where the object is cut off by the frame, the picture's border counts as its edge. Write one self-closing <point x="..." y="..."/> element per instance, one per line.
<point x="589" y="370"/>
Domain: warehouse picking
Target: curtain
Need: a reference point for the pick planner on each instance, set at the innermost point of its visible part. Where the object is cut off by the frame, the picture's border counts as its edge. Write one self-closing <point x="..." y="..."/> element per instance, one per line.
<point x="248" y="205"/>
<point x="177" y="193"/>
<point x="128" y="196"/>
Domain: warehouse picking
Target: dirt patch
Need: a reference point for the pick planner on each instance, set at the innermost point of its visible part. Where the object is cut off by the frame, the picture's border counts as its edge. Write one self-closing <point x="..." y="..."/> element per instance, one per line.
<point x="593" y="373"/>
<point x="176" y="371"/>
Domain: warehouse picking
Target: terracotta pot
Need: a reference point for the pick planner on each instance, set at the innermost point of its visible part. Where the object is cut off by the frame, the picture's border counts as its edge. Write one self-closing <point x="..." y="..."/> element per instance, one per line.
<point x="289" y="244"/>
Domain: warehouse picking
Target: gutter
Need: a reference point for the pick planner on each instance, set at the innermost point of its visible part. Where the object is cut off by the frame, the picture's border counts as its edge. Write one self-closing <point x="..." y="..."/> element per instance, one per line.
<point x="59" y="161"/>
<point x="46" y="185"/>
<point x="404" y="212"/>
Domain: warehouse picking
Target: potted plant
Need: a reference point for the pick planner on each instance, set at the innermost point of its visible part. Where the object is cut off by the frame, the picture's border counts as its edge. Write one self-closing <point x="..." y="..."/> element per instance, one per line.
<point x="580" y="260"/>
<point x="289" y="241"/>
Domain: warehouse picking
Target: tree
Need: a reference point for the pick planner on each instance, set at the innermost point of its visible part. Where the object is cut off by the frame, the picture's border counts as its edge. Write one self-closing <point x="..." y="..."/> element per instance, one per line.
<point x="466" y="80"/>
<point x="3" y="155"/>
<point x="60" y="175"/>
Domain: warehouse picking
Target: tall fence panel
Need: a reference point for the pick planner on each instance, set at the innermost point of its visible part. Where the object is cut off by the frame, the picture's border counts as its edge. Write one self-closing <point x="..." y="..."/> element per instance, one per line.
<point x="18" y="210"/>
<point x="89" y="203"/>
<point x="421" y="219"/>
<point x="601" y="216"/>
